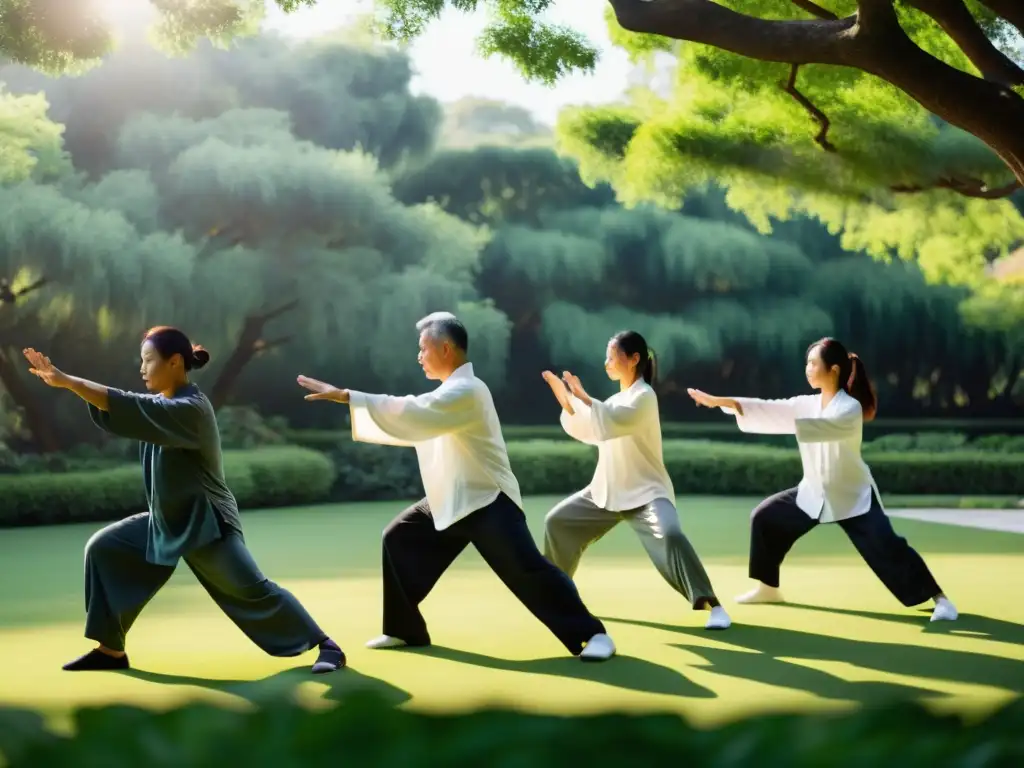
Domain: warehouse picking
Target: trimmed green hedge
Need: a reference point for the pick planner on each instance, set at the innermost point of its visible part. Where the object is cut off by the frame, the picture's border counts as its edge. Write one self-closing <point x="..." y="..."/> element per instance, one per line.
<point x="368" y="731"/>
<point x="266" y="477"/>
<point x="704" y="467"/>
<point x="696" y="467"/>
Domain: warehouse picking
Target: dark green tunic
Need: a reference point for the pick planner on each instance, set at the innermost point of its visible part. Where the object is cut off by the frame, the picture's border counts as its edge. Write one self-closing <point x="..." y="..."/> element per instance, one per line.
<point x="189" y="502"/>
<point x="192" y="516"/>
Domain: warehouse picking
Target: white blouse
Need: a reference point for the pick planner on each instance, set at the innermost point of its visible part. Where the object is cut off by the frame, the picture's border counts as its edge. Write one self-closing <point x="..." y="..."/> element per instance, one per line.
<point x="457" y="436"/>
<point x="626" y="429"/>
<point x="837" y="484"/>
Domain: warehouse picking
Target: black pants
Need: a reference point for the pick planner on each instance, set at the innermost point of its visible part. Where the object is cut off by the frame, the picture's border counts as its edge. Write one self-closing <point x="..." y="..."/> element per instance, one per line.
<point x="778" y="522"/>
<point x="415" y="554"/>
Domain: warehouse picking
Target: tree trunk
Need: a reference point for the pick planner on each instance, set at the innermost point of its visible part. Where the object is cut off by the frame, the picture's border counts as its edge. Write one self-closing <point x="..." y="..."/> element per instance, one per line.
<point x="36" y="420"/>
<point x="249" y="345"/>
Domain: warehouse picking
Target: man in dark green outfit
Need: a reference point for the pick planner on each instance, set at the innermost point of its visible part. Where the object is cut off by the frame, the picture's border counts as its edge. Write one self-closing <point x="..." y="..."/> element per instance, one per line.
<point x="192" y="515"/>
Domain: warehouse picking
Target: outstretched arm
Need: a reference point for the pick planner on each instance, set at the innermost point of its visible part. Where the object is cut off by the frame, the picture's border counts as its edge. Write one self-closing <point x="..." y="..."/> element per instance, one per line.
<point x="400" y="421"/>
<point x="41" y="367"/>
<point x="406" y="421"/>
<point x="171" y="423"/>
<point x="763" y="417"/>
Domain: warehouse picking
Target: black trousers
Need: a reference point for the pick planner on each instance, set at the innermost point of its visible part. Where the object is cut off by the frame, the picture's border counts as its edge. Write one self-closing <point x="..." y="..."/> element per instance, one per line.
<point x="415" y="555"/>
<point x="778" y="522"/>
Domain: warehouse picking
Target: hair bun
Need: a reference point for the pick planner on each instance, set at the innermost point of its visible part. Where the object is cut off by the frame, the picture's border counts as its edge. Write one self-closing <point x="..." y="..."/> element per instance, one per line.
<point x="200" y="356"/>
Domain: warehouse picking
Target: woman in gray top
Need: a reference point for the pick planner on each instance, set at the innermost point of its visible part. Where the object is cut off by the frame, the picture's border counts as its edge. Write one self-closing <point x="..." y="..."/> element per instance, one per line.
<point x="192" y="515"/>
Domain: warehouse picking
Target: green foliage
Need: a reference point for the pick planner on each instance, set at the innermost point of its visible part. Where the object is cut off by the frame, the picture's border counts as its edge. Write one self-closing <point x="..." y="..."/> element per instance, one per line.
<point x="549" y="464"/>
<point x="243" y="428"/>
<point x="702" y="467"/>
<point x="58" y="37"/>
<point x="30" y="143"/>
<point x="370" y="730"/>
<point x="471" y="122"/>
<point x="268" y="477"/>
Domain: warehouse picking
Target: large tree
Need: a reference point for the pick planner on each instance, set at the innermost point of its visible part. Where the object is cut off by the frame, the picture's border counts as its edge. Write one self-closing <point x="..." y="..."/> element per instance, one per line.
<point x="953" y="57"/>
<point x="725" y="306"/>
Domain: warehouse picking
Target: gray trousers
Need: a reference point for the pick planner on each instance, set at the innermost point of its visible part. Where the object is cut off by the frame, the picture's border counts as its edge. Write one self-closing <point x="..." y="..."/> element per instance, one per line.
<point x="577" y="522"/>
<point x="119" y="582"/>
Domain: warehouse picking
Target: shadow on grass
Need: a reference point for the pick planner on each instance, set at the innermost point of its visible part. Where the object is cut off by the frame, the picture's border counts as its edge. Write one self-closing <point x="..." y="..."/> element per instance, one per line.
<point x="624" y="672"/>
<point x="967" y="625"/>
<point x="774" y="644"/>
<point x="340" y="684"/>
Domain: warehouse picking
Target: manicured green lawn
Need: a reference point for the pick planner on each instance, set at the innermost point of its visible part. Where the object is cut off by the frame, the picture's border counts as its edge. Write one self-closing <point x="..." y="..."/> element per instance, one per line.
<point x="844" y="640"/>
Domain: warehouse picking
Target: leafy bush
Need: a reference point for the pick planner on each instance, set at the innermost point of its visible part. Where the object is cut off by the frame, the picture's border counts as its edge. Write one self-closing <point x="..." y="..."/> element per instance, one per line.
<point x="929" y="442"/>
<point x="266" y="477"/>
<point x="369" y="730"/>
<point x="696" y="467"/>
<point x="704" y="467"/>
<point x="243" y="428"/>
<point x="999" y="443"/>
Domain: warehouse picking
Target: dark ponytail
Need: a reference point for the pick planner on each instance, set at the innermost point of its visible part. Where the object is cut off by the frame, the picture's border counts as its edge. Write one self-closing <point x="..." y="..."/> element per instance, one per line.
<point x="169" y="342"/>
<point x="853" y="376"/>
<point x="632" y="343"/>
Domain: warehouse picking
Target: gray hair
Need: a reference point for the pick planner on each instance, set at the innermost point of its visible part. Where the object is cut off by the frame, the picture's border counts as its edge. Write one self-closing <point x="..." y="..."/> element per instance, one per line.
<point x="445" y="326"/>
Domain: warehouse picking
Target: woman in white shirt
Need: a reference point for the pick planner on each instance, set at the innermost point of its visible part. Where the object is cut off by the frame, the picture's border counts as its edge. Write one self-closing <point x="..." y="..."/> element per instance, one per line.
<point x="837" y="486"/>
<point x="630" y="482"/>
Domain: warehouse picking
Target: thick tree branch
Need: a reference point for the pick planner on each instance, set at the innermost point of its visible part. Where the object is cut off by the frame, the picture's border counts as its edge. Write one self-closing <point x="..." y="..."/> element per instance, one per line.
<point x="1012" y="11"/>
<point x="872" y="42"/>
<point x="790" y="87"/>
<point x="263" y="345"/>
<point x="815" y="10"/>
<point x="703" y="21"/>
<point x="266" y="317"/>
<point x="965" y="187"/>
<point x="958" y="22"/>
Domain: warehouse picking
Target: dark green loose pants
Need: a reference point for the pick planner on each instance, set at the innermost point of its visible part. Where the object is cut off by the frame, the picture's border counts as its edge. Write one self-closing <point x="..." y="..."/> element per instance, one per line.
<point x="119" y="582"/>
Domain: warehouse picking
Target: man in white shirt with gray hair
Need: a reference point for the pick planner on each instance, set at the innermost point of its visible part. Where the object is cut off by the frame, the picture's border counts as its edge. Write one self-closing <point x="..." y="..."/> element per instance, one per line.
<point x="472" y="497"/>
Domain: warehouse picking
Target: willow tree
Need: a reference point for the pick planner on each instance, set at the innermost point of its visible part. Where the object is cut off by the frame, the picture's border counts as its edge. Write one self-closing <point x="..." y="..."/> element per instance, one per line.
<point x="339" y="95"/>
<point x="320" y="251"/>
<point x="75" y="271"/>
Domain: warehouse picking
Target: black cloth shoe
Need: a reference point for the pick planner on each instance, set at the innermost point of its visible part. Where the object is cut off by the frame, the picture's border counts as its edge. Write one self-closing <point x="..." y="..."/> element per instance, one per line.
<point x="331" y="658"/>
<point x="97" y="661"/>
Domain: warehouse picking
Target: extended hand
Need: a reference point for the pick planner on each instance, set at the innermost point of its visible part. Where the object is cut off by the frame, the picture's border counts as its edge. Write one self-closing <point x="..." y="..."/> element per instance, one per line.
<point x="710" y="401"/>
<point x="41" y="366"/>
<point x="573" y="383"/>
<point x="321" y="390"/>
<point x="561" y="393"/>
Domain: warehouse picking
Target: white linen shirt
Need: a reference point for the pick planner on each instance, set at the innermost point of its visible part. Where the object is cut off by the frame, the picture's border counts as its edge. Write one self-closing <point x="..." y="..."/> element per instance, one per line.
<point x="837" y="484"/>
<point x="457" y="436"/>
<point x="626" y="428"/>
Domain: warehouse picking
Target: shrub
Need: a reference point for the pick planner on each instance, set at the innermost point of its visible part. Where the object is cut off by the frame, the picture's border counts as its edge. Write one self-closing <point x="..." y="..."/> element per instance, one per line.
<point x="704" y="467"/>
<point x="369" y="730"/>
<point x="999" y="443"/>
<point x="695" y="466"/>
<point x="264" y="477"/>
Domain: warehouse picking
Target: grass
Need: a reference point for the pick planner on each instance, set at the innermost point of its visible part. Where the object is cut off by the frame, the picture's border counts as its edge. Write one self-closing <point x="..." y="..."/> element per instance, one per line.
<point x="843" y="642"/>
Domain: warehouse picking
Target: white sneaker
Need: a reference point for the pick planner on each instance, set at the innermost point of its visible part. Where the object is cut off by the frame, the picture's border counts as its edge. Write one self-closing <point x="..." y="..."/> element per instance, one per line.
<point x="718" y="619"/>
<point x="385" y="641"/>
<point x="944" y="610"/>
<point x="598" y="648"/>
<point x="762" y="593"/>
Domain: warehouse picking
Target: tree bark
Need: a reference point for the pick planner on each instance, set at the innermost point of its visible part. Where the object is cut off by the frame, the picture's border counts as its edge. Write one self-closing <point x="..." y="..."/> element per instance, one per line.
<point x="871" y="41"/>
<point x="1012" y="11"/>
<point x="249" y="345"/>
<point x="36" y="418"/>
<point x="958" y="22"/>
